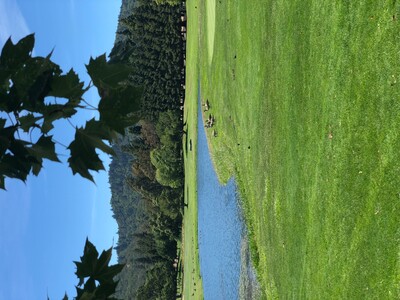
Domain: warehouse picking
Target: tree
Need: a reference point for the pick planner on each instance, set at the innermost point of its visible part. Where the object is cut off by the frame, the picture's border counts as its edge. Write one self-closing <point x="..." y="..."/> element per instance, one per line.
<point x="167" y="157"/>
<point x="34" y="92"/>
<point x="170" y="2"/>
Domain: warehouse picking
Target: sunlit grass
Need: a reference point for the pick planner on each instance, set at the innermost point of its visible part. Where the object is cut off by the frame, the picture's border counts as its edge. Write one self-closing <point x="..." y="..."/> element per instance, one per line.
<point x="210" y="18"/>
<point x="307" y="105"/>
<point x="192" y="283"/>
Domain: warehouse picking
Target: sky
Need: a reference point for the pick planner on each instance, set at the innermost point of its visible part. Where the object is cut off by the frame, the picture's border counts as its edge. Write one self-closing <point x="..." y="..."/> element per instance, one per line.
<point x="45" y="221"/>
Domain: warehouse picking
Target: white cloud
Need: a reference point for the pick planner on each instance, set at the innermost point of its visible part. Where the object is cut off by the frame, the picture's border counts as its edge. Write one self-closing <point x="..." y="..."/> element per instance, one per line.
<point x="12" y="22"/>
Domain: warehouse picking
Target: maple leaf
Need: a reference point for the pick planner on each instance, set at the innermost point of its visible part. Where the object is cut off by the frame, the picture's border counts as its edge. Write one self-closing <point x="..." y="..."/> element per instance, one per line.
<point x="83" y="148"/>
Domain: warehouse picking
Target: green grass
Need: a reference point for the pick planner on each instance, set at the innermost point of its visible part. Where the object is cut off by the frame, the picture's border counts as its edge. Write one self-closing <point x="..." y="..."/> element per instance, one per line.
<point x="192" y="283"/>
<point x="308" y="122"/>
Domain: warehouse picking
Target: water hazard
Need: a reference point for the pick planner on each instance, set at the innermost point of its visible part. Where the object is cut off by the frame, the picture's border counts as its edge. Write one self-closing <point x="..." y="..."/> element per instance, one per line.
<point x="220" y="226"/>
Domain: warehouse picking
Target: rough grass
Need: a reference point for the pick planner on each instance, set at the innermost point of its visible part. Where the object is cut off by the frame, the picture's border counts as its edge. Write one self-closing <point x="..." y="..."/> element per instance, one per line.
<point x="192" y="283"/>
<point x="306" y="98"/>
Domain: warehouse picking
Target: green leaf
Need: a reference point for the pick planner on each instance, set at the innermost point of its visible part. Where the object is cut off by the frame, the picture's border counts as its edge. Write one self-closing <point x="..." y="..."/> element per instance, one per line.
<point x="90" y="285"/>
<point x="109" y="274"/>
<point x="15" y="67"/>
<point x="4" y="80"/>
<point x="6" y="135"/>
<point x="47" y="126"/>
<point x="19" y="161"/>
<point x="104" y="290"/>
<point x="40" y="88"/>
<point x="65" y="296"/>
<point x="85" y="268"/>
<point x="31" y="83"/>
<point x="118" y="101"/>
<point x="37" y="167"/>
<point x="2" y="185"/>
<point x="87" y="296"/>
<point x="117" y="108"/>
<point x="83" y="148"/>
<point x="10" y="101"/>
<point x="14" y="167"/>
<point x="17" y="147"/>
<point x="28" y="121"/>
<point x="4" y="101"/>
<point x="107" y="75"/>
<point x="97" y="131"/>
<point x="2" y="123"/>
<point x="15" y="160"/>
<point x="103" y="261"/>
<point x="79" y="292"/>
<point x="53" y="112"/>
<point x="68" y="86"/>
<point x="99" y="283"/>
<point x="45" y="148"/>
<point x="13" y="56"/>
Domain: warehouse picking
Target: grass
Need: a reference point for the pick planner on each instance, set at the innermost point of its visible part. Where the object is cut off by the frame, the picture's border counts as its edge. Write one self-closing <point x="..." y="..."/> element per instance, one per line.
<point x="192" y="283"/>
<point x="306" y="96"/>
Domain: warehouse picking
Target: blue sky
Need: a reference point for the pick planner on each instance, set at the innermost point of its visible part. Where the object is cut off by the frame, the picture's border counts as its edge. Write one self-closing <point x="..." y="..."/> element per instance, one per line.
<point x="44" y="223"/>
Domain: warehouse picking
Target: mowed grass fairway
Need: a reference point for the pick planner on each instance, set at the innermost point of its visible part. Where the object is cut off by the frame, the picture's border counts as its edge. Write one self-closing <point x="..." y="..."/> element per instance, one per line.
<point x="306" y="97"/>
<point x="192" y="287"/>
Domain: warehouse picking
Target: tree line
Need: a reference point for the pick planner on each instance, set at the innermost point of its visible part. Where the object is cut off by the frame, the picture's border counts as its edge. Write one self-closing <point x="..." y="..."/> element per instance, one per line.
<point x="146" y="175"/>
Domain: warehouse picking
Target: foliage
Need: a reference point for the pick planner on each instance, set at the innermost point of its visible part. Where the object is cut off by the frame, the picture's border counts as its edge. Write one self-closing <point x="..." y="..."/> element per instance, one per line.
<point x="148" y="217"/>
<point x="163" y="159"/>
<point x="156" y="51"/>
<point x="167" y="157"/>
<point x="170" y="2"/>
<point x="30" y="92"/>
<point x="94" y="268"/>
<point x="155" y="288"/>
<point x="96" y="277"/>
<point x="148" y="213"/>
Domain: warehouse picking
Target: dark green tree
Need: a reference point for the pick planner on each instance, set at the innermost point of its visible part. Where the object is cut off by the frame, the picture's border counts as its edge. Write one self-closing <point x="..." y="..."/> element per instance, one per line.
<point x="149" y="217"/>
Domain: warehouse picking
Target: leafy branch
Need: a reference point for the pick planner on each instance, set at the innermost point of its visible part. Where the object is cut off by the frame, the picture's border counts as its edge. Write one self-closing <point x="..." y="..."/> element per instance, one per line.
<point x="96" y="277"/>
<point x="29" y="87"/>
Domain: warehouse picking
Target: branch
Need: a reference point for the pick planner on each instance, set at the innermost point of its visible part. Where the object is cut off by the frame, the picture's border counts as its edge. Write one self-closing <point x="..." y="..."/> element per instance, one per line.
<point x="93" y="107"/>
<point x="57" y="142"/>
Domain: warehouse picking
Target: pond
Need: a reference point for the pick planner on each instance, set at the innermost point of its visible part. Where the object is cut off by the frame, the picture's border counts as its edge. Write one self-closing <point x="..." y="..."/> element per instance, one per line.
<point x="222" y="239"/>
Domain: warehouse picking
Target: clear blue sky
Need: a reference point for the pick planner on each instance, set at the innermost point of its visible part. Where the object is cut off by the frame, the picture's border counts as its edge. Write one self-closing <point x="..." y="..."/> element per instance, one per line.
<point x="44" y="223"/>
